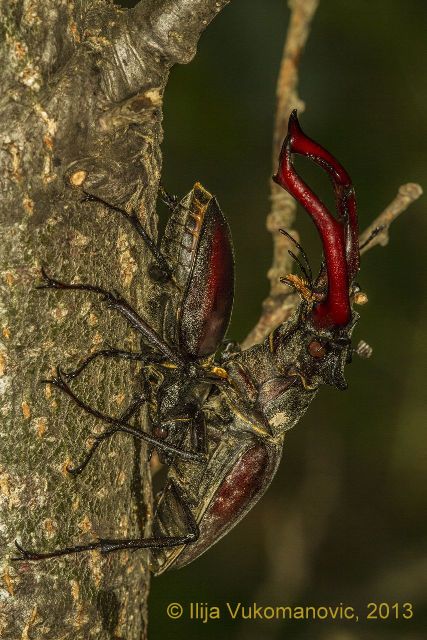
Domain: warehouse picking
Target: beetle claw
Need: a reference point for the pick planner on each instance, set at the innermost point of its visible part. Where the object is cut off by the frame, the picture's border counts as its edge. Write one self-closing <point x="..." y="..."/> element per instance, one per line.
<point x="25" y="554"/>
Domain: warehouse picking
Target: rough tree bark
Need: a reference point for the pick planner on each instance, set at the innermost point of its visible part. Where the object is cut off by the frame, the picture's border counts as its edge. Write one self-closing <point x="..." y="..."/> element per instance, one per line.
<point x="81" y="108"/>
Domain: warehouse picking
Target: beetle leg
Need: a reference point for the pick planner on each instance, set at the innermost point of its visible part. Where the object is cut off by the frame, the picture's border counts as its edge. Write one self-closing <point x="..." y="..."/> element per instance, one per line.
<point x="105" y="435"/>
<point x="104" y="353"/>
<point x="165" y="272"/>
<point x="115" y="301"/>
<point x="197" y="436"/>
<point x="168" y="199"/>
<point x="107" y="545"/>
<point x="125" y="427"/>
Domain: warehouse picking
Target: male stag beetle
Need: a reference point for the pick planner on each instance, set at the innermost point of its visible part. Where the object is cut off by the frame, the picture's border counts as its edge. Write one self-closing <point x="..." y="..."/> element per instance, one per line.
<point x="270" y="386"/>
<point x="241" y="406"/>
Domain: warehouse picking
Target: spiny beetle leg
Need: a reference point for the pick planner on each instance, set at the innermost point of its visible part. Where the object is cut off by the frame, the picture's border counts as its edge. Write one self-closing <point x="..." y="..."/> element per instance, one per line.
<point x="115" y="301"/>
<point x="164" y="271"/>
<point x="104" y="353"/>
<point x="125" y="427"/>
<point x="105" y="435"/>
<point x="109" y="545"/>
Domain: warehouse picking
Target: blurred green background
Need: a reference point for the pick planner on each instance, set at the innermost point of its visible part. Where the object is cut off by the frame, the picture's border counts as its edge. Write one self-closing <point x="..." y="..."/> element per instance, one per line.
<point x="345" y="518"/>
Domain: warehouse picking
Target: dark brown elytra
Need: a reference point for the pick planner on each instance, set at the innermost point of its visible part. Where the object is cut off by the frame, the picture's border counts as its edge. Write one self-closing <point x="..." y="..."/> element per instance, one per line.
<point x="220" y="425"/>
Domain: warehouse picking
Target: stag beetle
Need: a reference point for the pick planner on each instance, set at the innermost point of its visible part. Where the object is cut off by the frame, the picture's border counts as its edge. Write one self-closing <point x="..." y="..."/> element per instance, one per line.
<point x="178" y="368"/>
<point x="250" y="398"/>
<point x="270" y="386"/>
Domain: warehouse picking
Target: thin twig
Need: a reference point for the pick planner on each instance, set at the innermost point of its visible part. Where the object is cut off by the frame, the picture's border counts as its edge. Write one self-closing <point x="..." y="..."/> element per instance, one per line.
<point x="278" y="305"/>
<point x="406" y="195"/>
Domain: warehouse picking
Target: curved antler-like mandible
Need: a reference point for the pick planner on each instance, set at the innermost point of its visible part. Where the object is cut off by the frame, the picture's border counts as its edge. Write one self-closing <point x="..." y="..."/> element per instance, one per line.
<point x="339" y="237"/>
<point x="343" y="187"/>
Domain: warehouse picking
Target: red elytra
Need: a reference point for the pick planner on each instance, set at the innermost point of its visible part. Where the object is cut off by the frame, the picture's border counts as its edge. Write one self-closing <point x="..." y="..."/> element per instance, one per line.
<point x="208" y="299"/>
<point x="247" y="480"/>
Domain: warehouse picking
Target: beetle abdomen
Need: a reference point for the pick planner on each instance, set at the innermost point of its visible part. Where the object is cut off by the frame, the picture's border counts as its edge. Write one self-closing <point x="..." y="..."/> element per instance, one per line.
<point x="245" y="479"/>
<point x="236" y="495"/>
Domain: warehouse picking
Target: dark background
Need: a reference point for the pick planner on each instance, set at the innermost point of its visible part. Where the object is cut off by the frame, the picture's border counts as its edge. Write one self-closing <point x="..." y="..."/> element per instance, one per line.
<point x="345" y="518"/>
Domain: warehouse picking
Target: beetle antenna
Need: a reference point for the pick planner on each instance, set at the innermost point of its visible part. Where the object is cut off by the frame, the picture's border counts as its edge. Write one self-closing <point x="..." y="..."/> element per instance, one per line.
<point x="371" y="236"/>
<point x="301" y="266"/>
<point x="307" y="269"/>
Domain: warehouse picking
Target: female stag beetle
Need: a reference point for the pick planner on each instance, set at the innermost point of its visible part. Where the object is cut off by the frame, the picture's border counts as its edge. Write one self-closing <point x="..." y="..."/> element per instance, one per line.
<point x="251" y="398"/>
<point x="178" y="367"/>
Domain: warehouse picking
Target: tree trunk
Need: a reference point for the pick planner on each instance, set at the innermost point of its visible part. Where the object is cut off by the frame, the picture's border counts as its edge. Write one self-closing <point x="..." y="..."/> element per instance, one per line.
<point x="81" y="111"/>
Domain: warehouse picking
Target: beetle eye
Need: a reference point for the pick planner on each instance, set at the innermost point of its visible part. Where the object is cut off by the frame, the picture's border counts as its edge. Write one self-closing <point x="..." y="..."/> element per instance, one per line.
<point x="316" y="349"/>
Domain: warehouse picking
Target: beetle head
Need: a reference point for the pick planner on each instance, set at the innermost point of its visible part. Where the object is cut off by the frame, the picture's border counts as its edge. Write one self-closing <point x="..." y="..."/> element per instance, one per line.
<point x="314" y="355"/>
<point x="325" y="318"/>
